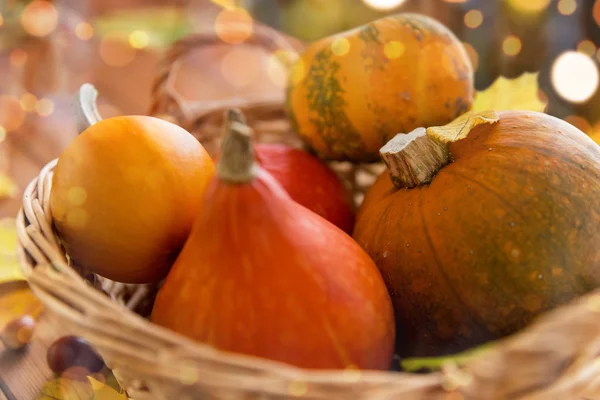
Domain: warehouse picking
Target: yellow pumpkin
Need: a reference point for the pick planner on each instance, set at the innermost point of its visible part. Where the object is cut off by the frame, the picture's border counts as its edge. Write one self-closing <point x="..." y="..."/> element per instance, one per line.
<point x="349" y="94"/>
<point x="125" y="193"/>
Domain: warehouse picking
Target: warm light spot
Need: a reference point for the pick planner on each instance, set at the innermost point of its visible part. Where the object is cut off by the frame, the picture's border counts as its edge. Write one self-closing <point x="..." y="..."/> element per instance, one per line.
<point x="579" y="123"/>
<point x="297" y="72"/>
<point x="596" y="12"/>
<point x="455" y="1"/>
<point x="383" y="4"/>
<point x="18" y="57"/>
<point x="11" y="113"/>
<point x="575" y="76"/>
<point x="529" y="6"/>
<point x="511" y="45"/>
<point x="587" y="47"/>
<point x="233" y="25"/>
<point x="39" y="18"/>
<point x="44" y="107"/>
<point x="2" y="133"/>
<point x="77" y="196"/>
<point x="188" y="373"/>
<point x="241" y="66"/>
<point x="298" y="388"/>
<point x="340" y="46"/>
<point x="596" y="132"/>
<point x="567" y="7"/>
<point x="115" y="52"/>
<point x="28" y="102"/>
<point x="278" y="65"/>
<point x="1" y="20"/>
<point x="594" y="303"/>
<point x="139" y="39"/>
<point x="473" y="19"/>
<point x="84" y="31"/>
<point x="393" y="49"/>
<point x="473" y="56"/>
<point x="77" y="218"/>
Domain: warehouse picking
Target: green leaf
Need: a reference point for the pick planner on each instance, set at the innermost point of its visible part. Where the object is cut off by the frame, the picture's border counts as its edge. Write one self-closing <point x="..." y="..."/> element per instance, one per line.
<point x="163" y="25"/>
<point x="436" y="363"/>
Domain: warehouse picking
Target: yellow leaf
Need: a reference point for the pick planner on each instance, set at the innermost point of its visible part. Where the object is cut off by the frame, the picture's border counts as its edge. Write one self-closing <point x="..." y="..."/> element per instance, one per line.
<point x="7" y="187"/>
<point x="66" y="389"/>
<point x="461" y="126"/>
<point x="104" y="392"/>
<point x="511" y="94"/>
<point x="9" y="265"/>
<point x="16" y="300"/>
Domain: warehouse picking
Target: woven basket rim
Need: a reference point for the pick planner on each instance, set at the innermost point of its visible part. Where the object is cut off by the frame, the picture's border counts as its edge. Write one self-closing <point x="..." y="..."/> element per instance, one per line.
<point x="80" y="305"/>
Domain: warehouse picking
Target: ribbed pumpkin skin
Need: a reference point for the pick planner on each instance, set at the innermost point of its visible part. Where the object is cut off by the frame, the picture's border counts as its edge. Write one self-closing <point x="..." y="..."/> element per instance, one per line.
<point x="508" y="230"/>
<point x="309" y="182"/>
<point x="264" y="276"/>
<point x="352" y="92"/>
<point x="139" y="180"/>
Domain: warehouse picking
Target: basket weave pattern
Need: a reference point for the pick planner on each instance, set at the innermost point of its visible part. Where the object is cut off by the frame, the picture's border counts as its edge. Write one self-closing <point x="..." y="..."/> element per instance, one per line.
<point x="555" y="358"/>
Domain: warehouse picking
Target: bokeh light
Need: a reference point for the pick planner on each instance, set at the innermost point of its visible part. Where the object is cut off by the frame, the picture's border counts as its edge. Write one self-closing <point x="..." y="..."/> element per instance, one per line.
<point x="44" y="107"/>
<point x="575" y="76"/>
<point x="529" y="6"/>
<point x="298" y="388"/>
<point x="580" y="123"/>
<point x="511" y="46"/>
<point x="567" y="7"/>
<point x="18" y="57"/>
<point x="84" y="31"/>
<point x="473" y="55"/>
<point x="340" y="46"/>
<point x="1" y="20"/>
<point x="587" y="47"/>
<point x="473" y="19"/>
<point x="11" y="113"/>
<point x="77" y="196"/>
<point x="384" y="4"/>
<point x="233" y="25"/>
<point x="28" y="102"/>
<point x="114" y="52"/>
<point x="455" y="1"/>
<point x="39" y="18"/>
<point x="139" y="39"/>
<point x="393" y="49"/>
<point x="2" y="133"/>
<point x="278" y="66"/>
<point x="241" y="66"/>
<point x="596" y="12"/>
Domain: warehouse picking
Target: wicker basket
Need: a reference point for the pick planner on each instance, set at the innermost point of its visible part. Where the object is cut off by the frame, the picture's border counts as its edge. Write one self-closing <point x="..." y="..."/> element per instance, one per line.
<point x="555" y="358"/>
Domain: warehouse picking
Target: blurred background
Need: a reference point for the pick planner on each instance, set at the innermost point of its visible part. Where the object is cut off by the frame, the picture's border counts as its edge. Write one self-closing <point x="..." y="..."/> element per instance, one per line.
<point x="49" y="48"/>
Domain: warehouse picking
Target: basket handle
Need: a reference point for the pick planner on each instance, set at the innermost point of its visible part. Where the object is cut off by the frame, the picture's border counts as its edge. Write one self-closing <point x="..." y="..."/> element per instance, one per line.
<point x="86" y="111"/>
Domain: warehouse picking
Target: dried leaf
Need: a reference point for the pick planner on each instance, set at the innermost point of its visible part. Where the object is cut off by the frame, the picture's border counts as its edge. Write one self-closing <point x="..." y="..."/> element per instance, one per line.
<point x="105" y="392"/>
<point x="8" y="188"/>
<point x="9" y="265"/>
<point x="66" y="389"/>
<point x="461" y="126"/>
<point x="511" y="94"/>
<point x="16" y="300"/>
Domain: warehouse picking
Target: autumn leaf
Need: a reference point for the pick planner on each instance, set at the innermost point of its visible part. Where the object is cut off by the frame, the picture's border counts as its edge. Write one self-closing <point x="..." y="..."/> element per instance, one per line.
<point x="9" y="265"/>
<point x="66" y="389"/>
<point x="461" y="126"/>
<point x="17" y="300"/>
<point x="8" y="188"/>
<point x="105" y="392"/>
<point x="511" y="94"/>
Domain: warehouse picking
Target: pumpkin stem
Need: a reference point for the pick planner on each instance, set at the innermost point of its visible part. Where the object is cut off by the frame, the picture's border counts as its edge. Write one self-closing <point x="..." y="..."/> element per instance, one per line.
<point x="413" y="159"/>
<point x="237" y="163"/>
<point x="86" y="112"/>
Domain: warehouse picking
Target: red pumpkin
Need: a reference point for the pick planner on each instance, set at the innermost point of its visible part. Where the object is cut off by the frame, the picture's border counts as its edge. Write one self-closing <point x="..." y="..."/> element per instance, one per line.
<point x="477" y="237"/>
<point x="309" y="182"/>
<point x="264" y="276"/>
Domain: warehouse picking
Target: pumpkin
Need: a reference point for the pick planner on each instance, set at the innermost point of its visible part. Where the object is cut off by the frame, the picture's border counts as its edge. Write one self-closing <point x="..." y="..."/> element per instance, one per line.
<point x="307" y="180"/>
<point x="476" y="237"/>
<point x="350" y="93"/>
<point x="124" y="196"/>
<point x="262" y="275"/>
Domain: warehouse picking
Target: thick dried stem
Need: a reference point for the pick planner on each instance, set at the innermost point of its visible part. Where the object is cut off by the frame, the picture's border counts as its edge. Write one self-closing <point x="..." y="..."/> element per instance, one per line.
<point x="86" y="112"/>
<point x="413" y="159"/>
<point x="237" y="163"/>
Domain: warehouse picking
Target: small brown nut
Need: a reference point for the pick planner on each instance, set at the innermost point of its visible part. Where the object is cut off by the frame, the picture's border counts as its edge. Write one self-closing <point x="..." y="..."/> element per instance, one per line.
<point x="18" y="332"/>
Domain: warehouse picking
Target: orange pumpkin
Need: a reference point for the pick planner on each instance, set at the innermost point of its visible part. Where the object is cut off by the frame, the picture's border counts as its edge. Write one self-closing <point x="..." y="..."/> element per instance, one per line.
<point x="264" y="276"/>
<point x="350" y="93"/>
<point x="474" y="249"/>
<point x="124" y="196"/>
